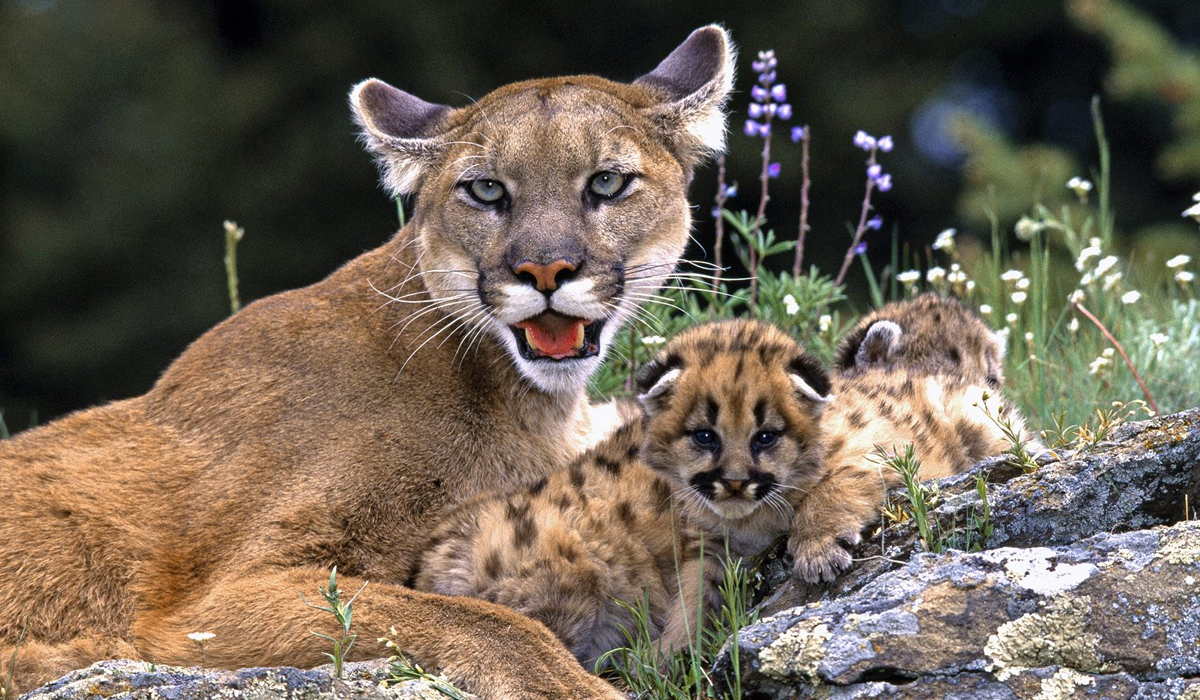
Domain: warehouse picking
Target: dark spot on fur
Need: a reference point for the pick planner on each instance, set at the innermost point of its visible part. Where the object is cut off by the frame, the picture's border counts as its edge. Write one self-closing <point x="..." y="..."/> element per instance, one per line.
<point x="625" y="513"/>
<point x="563" y="502"/>
<point x="737" y="371"/>
<point x="711" y="411"/>
<point x="492" y="564"/>
<point x="611" y="466"/>
<point x="760" y="412"/>
<point x="955" y="357"/>
<point x="524" y="531"/>
<point x="537" y="486"/>
<point x="662" y="494"/>
<point x="856" y="419"/>
<point x="567" y="552"/>
<point x="577" y="476"/>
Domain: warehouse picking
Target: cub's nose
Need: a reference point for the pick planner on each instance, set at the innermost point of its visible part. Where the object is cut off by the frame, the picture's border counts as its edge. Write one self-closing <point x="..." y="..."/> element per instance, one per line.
<point x="734" y="485"/>
<point x="546" y="278"/>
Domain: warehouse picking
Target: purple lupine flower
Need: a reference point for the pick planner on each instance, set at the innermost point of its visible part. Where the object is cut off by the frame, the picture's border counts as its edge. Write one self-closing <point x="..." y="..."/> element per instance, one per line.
<point x="785" y="112"/>
<point x="874" y="171"/>
<point x="716" y="212"/>
<point x="798" y="133"/>
<point x="756" y="110"/>
<point x="764" y="130"/>
<point x="884" y="183"/>
<point x="751" y="128"/>
<point x="759" y="93"/>
<point x="864" y="140"/>
<point x="885" y="144"/>
<point x="860" y="248"/>
<point x="767" y="78"/>
<point x="773" y="170"/>
<point x="766" y="61"/>
<point x="779" y="93"/>
<point x="731" y="190"/>
<point x="770" y="108"/>
<point x="875" y="223"/>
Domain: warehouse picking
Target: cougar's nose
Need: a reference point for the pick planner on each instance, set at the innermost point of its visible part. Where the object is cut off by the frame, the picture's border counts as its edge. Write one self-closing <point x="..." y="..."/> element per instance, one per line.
<point x="546" y="278"/>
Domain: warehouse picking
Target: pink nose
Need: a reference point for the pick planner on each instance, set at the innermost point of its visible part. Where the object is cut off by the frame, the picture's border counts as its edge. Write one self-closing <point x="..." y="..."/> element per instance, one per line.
<point x="735" y="484"/>
<point x="545" y="277"/>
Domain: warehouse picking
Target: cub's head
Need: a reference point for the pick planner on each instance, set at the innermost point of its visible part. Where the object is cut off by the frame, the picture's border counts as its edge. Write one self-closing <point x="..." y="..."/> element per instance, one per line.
<point x="548" y="209"/>
<point x="732" y="421"/>
<point x="930" y="334"/>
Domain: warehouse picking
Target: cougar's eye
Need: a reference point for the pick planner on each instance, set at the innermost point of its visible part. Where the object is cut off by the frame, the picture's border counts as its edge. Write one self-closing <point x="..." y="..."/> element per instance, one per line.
<point x="764" y="439"/>
<point x="705" y="438"/>
<point x="486" y="191"/>
<point x="607" y="184"/>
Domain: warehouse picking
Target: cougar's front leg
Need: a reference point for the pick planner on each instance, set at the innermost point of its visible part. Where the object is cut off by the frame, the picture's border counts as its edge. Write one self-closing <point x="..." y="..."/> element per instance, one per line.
<point x="259" y="620"/>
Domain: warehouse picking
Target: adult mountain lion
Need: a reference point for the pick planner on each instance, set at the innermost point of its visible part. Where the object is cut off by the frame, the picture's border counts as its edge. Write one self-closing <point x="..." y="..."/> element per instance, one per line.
<point x="335" y="424"/>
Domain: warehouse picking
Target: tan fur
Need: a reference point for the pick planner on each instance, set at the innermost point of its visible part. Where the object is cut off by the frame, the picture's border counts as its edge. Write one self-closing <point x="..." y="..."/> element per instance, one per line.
<point x="931" y="384"/>
<point x="649" y="514"/>
<point x="333" y="425"/>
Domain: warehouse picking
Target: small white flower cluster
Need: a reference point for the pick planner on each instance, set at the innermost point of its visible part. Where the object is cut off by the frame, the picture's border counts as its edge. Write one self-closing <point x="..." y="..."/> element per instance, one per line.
<point x="945" y="240"/>
<point x="1101" y="363"/>
<point x="825" y="322"/>
<point x="1159" y="339"/>
<point x="1194" y="210"/>
<point x="1182" y="276"/>
<point x="1080" y="187"/>
<point x="790" y="306"/>
<point x="1104" y="271"/>
<point x="1018" y="285"/>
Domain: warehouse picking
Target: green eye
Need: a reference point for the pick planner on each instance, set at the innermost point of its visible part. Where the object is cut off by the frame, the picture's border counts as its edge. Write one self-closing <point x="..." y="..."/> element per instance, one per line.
<point x="607" y="184"/>
<point x="486" y="191"/>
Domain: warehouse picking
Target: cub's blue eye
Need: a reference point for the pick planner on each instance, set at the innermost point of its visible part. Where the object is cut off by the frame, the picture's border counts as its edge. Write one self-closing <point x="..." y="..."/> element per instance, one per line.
<point x="705" y="438"/>
<point x="607" y="184"/>
<point x="486" y="191"/>
<point x="764" y="439"/>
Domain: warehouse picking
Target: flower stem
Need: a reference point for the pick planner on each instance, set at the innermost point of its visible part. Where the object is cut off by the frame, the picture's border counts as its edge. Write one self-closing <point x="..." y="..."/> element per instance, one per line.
<point x="1145" y="390"/>
<point x="803" y="202"/>
<point x="722" y="195"/>
<point x="764" y="197"/>
<point x="861" y="230"/>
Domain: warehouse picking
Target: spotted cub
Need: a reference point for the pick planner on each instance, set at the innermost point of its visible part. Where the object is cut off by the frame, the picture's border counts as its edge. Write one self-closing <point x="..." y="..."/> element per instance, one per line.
<point x="730" y="438"/>
<point x="926" y="371"/>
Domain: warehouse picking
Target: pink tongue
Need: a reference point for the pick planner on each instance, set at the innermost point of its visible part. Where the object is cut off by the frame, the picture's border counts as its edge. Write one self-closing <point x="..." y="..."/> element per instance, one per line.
<point x="557" y="340"/>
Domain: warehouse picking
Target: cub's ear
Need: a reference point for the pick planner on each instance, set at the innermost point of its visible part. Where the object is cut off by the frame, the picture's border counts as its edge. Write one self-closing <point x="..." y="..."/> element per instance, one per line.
<point x="656" y="383"/>
<point x="879" y="345"/>
<point x="402" y="131"/>
<point x="810" y="379"/>
<point x="695" y="81"/>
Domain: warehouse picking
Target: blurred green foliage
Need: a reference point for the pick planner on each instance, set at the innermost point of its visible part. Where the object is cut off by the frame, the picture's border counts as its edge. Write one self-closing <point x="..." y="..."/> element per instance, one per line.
<point x="130" y="129"/>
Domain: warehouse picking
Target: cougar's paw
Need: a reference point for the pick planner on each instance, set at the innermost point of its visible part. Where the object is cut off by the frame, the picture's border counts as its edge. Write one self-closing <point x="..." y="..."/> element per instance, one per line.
<point x="822" y="557"/>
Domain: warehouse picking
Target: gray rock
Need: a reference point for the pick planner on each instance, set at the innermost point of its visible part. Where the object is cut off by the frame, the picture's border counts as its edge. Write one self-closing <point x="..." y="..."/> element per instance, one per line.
<point x="1090" y="587"/>
<point x="138" y="680"/>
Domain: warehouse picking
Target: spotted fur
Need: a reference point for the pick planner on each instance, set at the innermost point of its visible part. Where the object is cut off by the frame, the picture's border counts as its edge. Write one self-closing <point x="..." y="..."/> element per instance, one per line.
<point x="925" y="371"/>
<point x="730" y="439"/>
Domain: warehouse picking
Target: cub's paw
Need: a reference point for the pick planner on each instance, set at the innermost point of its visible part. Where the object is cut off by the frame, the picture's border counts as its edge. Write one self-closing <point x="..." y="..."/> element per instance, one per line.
<point x="820" y="558"/>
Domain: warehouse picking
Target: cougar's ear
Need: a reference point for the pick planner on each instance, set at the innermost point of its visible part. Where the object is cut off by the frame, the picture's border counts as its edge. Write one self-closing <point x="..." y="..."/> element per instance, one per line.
<point x="810" y="379"/>
<point x="656" y="383"/>
<point x="402" y="131"/>
<point x="879" y="345"/>
<point x="695" y="81"/>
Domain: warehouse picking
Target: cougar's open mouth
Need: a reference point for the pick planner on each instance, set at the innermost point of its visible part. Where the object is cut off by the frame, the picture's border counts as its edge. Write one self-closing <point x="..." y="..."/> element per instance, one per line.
<point x="552" y="336"/>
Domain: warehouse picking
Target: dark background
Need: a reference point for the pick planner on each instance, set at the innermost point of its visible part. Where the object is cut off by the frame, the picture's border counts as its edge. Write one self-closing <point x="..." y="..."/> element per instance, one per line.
<point x="129" y="129"/>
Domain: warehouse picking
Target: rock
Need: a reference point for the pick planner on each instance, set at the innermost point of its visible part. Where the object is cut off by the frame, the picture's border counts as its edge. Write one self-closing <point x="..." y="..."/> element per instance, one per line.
<point x="138" y="680"/>
<point x="1089" y="586"/>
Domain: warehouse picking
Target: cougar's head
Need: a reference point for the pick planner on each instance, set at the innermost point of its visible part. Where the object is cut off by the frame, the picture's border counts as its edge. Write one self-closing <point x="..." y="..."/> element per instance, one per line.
<point x="549" y="209"/>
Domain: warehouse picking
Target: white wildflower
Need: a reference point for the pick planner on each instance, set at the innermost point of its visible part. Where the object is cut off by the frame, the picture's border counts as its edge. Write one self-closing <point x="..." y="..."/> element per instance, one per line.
<point x="908" y="277"/>
<point x="1112" y="280"/>
<point x="1158" y="339"/>
<point x="934" y="275"/>
<point x="1080" y="187"/>
<point x="1106" y="264"/>
<point x="1012" y="275"/>
<point x="1085" y="280"/>
<point x="1185" y="277"/>
<point x="945" y="240"/>
<point x="1011" y="319"/>
<point x="1076" y="296"/>
<point x="1108" y="352"/>
<point x="789" y="305"/>
<point x="825" y="322"/>
<point x="1019" y="298"/>
<point x="970" y="286"/>
<point x="985" y="309"/>
<point x="1029" y="338"/>
<point x="1073" y="326"/>
<point x="1085" y="256"/>
<point x="1178" y="261"/>
<point x="1023" y="283"/>
<point x="1131" y="297"/>
<point x="1193" y="211"/>
<point x="653" y="340"/>
<point x="1098" y="364"/>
